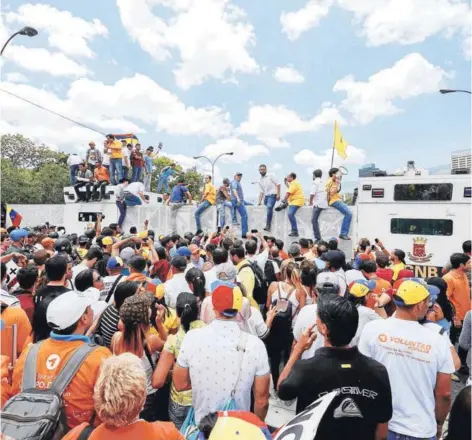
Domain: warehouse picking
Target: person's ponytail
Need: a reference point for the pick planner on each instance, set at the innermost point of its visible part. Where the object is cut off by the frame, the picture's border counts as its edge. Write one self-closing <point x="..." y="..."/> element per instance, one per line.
<point x="196" y="281"/>
<point x="187" y="309"/>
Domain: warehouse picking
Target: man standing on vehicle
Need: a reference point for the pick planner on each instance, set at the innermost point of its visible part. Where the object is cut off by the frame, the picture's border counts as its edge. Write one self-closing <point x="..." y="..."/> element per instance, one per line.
<point x="296" y="199"/>
<point x="177" y="200"/>
<point x="319" y="201"/>
<point x="116" y="159"/>
<point x="270" y="193"/>
<point x="148" y="159"/>
<point x="92" y="156"/>
<point x="166" y="173"/>
<point x="418" y="361"/>
<point x="223" y="201"/>
<point x="333" y="186"/>
<point x="208" y="199"/>
<point x="126" y="155"/>
<point x="237" y="200"/>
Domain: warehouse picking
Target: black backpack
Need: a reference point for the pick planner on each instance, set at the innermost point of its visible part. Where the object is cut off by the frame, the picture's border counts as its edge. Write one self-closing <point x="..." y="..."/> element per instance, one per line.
<point x="260" y="283"/>
<point x="39" y="414"/>
<point x="283" y="320"/>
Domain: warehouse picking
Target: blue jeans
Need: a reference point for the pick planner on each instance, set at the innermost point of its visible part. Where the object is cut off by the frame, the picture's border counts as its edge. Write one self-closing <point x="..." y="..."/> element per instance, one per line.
<point x="344" y="209"/>
<point x="314" y="221"/>
<point x="394" y="436"/>
<point x="292" y="210"/>
<point x="72" y="172"/>
<point x="125" y="172"/>
<point x="116" y="165"/>
<point x="198" y="213"/>
<point x="243" y="213"/>
<point x="269" y="202"/>
<point x="132" y="200"/>
<point x="122" y="208"/>
<point x="221" y="207"/>
<point x="163" y="185"/>
<point x="136" y="176"/>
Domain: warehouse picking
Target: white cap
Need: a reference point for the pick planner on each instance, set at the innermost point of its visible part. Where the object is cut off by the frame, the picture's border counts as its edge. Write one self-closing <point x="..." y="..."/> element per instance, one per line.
<point x="91" y="294"/>
<point x="66" y="309"/>
<point x="327" y="277"/>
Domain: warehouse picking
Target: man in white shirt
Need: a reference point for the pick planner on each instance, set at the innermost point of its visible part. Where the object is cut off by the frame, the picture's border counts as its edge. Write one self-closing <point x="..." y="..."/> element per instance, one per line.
<point x="219" y="362"/>
<point x="177" y="284"/>
<point x="270" y="193"/>
<point x="419" y="363"/>
<point x="134" y="194"/>
<point x="126" y="148"/>
<point x="319" y="201"/>
<point x="73" y="161"/>
<point x="334" y="261"/>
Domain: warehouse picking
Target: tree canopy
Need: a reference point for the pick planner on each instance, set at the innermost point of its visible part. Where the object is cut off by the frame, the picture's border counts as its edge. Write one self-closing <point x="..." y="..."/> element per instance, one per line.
<point x="36" y="174"/>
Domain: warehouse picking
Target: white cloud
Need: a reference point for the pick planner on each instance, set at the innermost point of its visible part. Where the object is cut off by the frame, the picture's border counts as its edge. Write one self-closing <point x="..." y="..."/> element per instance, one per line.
<point x="272" y="124"/>
<point x="312" y="161"/>
<point x="15" y="77"/>
<point x="276" y="166"/>
<point x="411" y="76"/>
<point x="71" y="35"/>
<point x="42" y="60"/>
<point x="243" y="152"/>
<point x="388" y="21"/>
<point x="123" y="106"/>
<point x="298" y="22"/>
<point x="288" y="74"/>
<point x="212" y="37"/>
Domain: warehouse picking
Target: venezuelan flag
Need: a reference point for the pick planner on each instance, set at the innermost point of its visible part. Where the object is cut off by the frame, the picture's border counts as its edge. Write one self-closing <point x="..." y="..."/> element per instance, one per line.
<point x="13" y="217"/>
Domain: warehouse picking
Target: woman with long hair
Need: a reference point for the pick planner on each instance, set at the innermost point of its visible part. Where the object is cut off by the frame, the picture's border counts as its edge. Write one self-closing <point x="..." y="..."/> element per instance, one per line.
<point x="180" y="401"/>
<point x="442" y="312"/>
<point x="135" y="315"/>
<point x="162" y="267"/>
<point x="196" y="281"/>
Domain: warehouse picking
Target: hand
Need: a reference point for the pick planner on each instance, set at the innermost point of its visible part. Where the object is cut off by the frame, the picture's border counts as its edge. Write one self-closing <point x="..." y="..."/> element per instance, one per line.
<point x="161" y="310"/>
<point x="99" y="216"/>
<point x="277" y="198"/>
<point x="259" y="204"/>
<point x="439" y="429"/>
<point x="307" y="338"/>
<point x="271" y="314"/>
<point x="457" y="323"/>
<point x="380" y="244"/>
<point x="150" y="243"/>
<point x="146" y="222"/>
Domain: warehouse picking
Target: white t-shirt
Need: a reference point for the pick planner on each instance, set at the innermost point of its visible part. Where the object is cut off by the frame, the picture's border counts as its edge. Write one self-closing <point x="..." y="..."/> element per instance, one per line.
<point x="74" y="159"/>
<point x="305" y="319"/>
<point x="437" y="329"/>
<point x="135" y="188"/>
<point x="260" y="259"/>
<point x="210" y="353"/>
<point x="106" y="159"/>
<point x="172" y="288"/>
<point x="365" y="316"/>
<point x="256" y="324"/>
<point x="125" y="155"/>
<point x="268" y="184"/>
<point x="210" y="277"/>
<point x="353" y="275"/>
<point x="318" y="189"/>
<point x="413" y="356"/>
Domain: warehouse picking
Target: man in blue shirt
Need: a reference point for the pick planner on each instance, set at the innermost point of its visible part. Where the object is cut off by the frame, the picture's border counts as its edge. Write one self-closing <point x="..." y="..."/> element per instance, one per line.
<point x="148" y="159"/>
<point x="177" y="200"/>
<point x="163" y="184"/>
<point x="237" y="200"/>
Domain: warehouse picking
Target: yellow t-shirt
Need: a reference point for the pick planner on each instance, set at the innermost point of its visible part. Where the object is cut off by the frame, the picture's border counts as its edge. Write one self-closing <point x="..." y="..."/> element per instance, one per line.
<point x="296" y="198"/>
<point x="210" y="192"/>
<point x="173" y="345"/>
<point x="396" y="270"/>
<point x="116" y="150"/>
<point x="334" y="197"/>
<point x="171" y="322"/>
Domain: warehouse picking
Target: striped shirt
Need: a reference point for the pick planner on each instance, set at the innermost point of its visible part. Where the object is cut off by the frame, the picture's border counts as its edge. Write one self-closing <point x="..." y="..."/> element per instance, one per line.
<point x="109" y="324"/>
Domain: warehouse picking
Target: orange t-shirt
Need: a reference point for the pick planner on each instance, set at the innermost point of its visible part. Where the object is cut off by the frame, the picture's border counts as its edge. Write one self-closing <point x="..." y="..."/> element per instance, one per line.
<point x="11" y="316"/>
<point x="458" y="292"/>
<point x="382" y="286"/>
<point x="138" y="430"/>
<point x="52" y="356"/>
<point x="101" y="174"/>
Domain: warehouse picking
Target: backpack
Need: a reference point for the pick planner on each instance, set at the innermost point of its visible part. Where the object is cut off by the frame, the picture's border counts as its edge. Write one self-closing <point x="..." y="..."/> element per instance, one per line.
<point x="260" y="283"/>
<point x="39" y="414"/>
<point x="283" y="320"/>
<point x="269" y="272"/>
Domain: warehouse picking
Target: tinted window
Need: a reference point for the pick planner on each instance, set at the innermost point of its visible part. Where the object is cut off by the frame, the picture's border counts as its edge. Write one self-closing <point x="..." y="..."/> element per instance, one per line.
<point x="425" y="192"/>
<point x="420" y="226"/>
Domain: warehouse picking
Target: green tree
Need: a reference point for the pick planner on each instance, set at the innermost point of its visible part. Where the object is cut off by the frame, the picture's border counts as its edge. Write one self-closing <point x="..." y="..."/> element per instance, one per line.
<point x="17" y="184"/>
<point x="49" y="181"/>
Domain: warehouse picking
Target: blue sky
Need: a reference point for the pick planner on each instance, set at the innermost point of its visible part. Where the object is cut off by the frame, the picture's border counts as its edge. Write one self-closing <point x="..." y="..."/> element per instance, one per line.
<point x="201" y="76"/>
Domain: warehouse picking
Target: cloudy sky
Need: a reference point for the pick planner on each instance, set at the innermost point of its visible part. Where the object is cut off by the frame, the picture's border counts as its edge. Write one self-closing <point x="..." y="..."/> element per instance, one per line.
<point x="262" y="78"/>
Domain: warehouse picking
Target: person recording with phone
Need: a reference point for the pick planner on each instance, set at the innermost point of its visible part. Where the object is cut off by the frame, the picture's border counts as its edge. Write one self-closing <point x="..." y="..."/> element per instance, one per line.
<point x="337" y="366"/>
<point x="333" y="187"/>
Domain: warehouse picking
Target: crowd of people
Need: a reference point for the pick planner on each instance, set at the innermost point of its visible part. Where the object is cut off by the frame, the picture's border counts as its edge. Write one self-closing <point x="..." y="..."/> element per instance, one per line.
<point x="142" y="335"/>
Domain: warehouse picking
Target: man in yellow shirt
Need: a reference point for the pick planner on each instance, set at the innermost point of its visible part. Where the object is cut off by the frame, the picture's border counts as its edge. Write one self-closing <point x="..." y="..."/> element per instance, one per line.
<point x="245" y="273"/>
<point x="295" y="198"/>
<point x="208" y="199"/>
<point x="116" y="158"/>
<point x="333" y="186"/>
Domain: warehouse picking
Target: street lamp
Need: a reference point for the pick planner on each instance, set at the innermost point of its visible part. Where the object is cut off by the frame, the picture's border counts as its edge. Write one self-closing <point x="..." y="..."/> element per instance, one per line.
<point x="27" y="30"/>
<point x="446" y="91"/>
<point x="212" y="163"/>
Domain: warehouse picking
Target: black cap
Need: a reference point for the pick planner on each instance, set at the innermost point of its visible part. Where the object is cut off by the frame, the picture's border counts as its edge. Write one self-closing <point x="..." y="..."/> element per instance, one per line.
<point x="238" y="174"/>
<point x="83" y="239"/>
<point x="179" y="262"/>
<point x="151" y="148"/>
<point x="333" y="257"/>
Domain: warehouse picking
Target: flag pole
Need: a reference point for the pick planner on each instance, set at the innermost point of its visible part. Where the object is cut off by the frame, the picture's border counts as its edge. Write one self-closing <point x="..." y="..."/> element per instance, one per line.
<point x="332" y="155"/>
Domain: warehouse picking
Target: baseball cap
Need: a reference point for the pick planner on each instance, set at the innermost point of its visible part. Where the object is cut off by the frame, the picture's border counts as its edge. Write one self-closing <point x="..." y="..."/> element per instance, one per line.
<point x="18" y="234"/>
<point x="66" y="309"/>
<point x="412" y="291"/>
<point x="333" y="257"/>
<point x="361" y="288"/>
<point x="226" y="271"/>
<point x="239" y="174"/>
<point x="115" y="262"/>
<point x="327" y="277"/>
<point x="179" y="262"/>
<point x="83" y="239"/>
<point x="150" y="148"/>
<point x="107" y="241"/>
<point x="126" y="254"/>
<point x="184" y="251"/>
<point x="194" y="249"/>
<point x="227" y="300"/>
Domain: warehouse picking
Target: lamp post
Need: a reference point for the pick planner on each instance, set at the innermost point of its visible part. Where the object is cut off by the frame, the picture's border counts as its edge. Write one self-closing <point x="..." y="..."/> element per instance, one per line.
<point x="446" y="91"/>
<point x="27" y="30"/>
<point x="212" y="163"/>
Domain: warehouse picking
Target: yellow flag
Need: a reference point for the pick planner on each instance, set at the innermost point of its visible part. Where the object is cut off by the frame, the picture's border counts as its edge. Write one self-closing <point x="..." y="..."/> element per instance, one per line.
<point x="340" y="144"/>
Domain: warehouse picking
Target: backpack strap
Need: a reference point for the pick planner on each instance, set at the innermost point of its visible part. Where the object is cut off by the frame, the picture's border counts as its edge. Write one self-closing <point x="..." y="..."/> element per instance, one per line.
<point x="113" y="288"/>
<point x="86" y="433"/>
<point x="29" y="373"/>
<point x="72" y="366"/>
<point x="241" y="347"/>
<point x="244" y="266"/>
